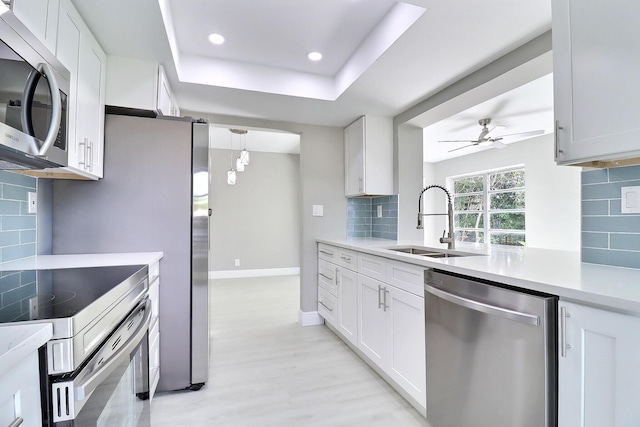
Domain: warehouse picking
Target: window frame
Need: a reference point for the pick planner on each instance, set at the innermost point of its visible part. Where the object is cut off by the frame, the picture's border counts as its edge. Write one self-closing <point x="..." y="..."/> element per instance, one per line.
<point x="487" y="211"/>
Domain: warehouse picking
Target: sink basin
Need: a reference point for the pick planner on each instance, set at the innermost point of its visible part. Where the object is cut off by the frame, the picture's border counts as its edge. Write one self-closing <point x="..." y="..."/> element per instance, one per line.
<point x="430" y="252"/>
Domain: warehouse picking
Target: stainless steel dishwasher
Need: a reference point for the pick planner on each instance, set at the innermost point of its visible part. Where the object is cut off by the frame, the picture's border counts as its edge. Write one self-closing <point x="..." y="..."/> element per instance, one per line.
<point x="490" y="354"/>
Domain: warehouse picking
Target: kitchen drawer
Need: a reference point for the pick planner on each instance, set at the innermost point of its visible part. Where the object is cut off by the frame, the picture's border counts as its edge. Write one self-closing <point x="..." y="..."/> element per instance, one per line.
<point x="408" y="277"/>
<point x="327" y="277"/>
<point x="372" y="266"/>
<point x="348" y="259"/>
<point x="154" y="296"/>
<point x="328" y="253"/>
<point x="20" y="394"/>
<point x="154" y="272"/>
<point x="327" y="306"/>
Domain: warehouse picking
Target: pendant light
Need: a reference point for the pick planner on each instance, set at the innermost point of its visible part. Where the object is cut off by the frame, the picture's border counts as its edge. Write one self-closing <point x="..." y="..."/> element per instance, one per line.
<point x="239" y="165"/>
<point x="244" y="154"/>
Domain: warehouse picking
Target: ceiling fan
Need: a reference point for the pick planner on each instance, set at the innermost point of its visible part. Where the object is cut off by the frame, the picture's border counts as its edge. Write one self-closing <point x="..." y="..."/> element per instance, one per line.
<point x="485" y="138"/>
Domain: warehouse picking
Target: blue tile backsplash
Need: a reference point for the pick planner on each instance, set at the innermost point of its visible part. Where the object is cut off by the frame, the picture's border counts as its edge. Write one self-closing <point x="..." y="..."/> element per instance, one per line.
<point x="363" y="221"/>
<point x="17" y="226"/>
<point x="608" y="236"/>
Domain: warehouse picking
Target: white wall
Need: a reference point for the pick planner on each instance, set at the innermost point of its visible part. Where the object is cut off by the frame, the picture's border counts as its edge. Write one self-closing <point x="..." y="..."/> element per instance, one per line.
<point x="257" y="220"/>
<point x="321" y="183"/>
<point x="552" y="192"/>
<point x="409" y="178"/>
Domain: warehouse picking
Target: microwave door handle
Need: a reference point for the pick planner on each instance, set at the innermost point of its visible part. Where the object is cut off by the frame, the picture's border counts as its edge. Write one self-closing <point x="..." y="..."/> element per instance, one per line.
<point x="56" y="109"/>
<point x="26" y="107"/>
<point x="89" y="384"/>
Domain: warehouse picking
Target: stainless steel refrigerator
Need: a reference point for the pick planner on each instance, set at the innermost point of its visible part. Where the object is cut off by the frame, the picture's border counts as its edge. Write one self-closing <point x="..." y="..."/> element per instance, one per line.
<point x="153" y="197"/>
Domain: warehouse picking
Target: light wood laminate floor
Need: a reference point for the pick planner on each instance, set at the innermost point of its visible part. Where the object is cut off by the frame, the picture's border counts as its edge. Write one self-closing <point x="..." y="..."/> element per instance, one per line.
<point x="267" y="370"/>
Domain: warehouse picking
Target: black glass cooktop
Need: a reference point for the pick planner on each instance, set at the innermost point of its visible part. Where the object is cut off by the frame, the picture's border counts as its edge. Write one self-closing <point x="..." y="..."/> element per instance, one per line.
<point x="55" y="294"/>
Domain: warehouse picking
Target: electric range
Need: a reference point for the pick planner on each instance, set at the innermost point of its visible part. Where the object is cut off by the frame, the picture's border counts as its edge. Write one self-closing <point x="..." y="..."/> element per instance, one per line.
<point x="84" y="305"/>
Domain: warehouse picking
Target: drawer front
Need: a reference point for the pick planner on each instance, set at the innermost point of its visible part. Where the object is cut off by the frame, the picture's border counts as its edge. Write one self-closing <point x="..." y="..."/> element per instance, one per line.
<point x="154" y="296"/>
<point x="327" y="277"/>
<point x="327" y="306"/>
<point x="407" y="277"/>
<point x="20" y="394"/>
<point x="372" y="266"/>
<point x="348" y="259"/>
<point x="328" y="253"/>
<point x="154" y="271"/>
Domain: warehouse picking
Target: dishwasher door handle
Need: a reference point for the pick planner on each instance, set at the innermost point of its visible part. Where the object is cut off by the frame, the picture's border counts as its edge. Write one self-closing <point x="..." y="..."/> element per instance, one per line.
<point x="529" y="319"/>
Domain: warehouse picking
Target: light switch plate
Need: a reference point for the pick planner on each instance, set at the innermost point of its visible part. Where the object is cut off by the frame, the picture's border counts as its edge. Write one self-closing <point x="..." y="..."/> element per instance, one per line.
<point x="630" y="203"/>
<point x="318" y="210"/>
<point x="379" y="211"/>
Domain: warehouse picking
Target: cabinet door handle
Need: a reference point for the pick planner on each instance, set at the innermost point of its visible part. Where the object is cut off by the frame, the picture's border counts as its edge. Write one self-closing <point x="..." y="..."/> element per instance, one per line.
<point x="555" y="139"/>
<point x="82" y="156"/>
<point x="325" y="306"/>
<point x="345" y="258"/>
<point x="563" y="331"/>
<point x="326" y="253"/>
<point x="338" y="274"/>
<point x="380" y="303"/>
<point x="385" y="307"/>
<point x="90" y="156"/>
<point x="326" y="277"/>
<point x="17" y="422"/>
<point x="360" y="185"/>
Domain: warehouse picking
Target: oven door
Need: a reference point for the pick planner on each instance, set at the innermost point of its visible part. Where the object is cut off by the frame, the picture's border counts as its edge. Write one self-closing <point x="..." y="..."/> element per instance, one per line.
<point x="112" y="388"/>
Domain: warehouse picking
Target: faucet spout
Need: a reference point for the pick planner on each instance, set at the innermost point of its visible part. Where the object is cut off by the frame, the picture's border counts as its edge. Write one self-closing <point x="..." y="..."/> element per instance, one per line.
<point x="450" y="239"/>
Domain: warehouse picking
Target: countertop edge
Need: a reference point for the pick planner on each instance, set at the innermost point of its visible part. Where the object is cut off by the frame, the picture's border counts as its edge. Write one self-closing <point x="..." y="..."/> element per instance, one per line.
<point x="44" y="262"/>
<point x="553" y="272"/>
<point x="19" y="341"/>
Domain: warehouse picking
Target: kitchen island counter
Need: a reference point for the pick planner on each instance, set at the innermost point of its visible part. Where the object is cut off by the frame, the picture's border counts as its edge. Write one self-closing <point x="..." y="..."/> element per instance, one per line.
<point x="555" y="272"/>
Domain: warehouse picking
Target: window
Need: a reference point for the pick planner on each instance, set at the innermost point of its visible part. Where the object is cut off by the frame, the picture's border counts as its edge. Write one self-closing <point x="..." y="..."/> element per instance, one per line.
<point x="489" y="207"/>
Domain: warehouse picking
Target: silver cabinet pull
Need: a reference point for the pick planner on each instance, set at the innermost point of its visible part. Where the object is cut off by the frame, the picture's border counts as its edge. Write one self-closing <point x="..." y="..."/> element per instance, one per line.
<point x="345" y="258"/>
<point x="385" y="307"/>
<point x="338" y="274"/>
<point x="325" y="306"/>
<point x="517" y="316"/>
<point x="326" y="253"/>
<point x="360" y="185"/>
<point x="563" y="331"/>
<point x="326" y="277"/>
<point x="380" y="303"/>
<point x="17" y="422"/>
<point x="555" y="139"/>
<point x="82" y="156"/>
<point x="90" y="156"/>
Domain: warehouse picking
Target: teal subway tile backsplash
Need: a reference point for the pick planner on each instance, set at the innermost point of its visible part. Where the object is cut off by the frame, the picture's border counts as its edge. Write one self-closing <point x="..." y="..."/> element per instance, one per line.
<point x="363" y="221"/>
<point x="17" y="225"/>
<point x="608" y="236"/>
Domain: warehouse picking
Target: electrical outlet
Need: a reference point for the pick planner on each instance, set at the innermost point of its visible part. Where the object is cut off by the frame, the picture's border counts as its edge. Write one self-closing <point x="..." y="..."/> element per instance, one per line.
<point x="33" y="203"/>
<point x="237" y="263"/>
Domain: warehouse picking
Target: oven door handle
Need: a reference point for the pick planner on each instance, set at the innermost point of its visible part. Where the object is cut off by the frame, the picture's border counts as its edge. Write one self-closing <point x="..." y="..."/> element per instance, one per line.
<point x="99" y="369"/>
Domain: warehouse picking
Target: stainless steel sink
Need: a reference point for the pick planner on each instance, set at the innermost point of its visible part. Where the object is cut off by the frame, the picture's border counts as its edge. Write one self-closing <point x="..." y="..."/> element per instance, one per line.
<point x="430" y="252"/>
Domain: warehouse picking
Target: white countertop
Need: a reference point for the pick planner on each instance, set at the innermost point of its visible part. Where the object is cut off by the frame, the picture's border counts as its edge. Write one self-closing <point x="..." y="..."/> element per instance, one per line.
<point x="18" y="341"/>
<point x="555" y="272"/>
<point x="46" y="262"/>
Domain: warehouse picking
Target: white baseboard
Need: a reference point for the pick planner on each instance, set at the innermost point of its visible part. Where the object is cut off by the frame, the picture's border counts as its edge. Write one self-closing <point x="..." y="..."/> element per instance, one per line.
<point x="232" y="274"/>
<point x="310" y="318"/>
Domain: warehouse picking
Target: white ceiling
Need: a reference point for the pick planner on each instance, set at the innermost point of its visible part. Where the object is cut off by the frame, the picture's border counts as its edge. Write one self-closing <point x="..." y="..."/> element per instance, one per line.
<point x="447" y="42"/>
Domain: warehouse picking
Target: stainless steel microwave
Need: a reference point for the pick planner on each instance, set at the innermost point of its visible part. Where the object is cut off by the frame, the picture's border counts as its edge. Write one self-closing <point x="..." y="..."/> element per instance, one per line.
<point x="34" y="87"/>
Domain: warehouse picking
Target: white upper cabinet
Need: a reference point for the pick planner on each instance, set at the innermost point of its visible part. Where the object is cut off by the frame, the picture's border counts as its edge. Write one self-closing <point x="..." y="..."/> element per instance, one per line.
<point x="79" y="51"/>
<point x="368" y="156"/>
<point x="41" y="17"/>
<point x="141" y="84"/>
<point x="596" y="89"/>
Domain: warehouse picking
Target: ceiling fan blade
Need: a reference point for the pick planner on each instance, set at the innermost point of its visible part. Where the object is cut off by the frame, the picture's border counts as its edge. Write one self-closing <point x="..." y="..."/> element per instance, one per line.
<point x="524" y="134"/>
<point x="459" y="140"/>
<point x="495" y="143"/>
<point x="460" y="148"/>
<point x="494" y="128"/>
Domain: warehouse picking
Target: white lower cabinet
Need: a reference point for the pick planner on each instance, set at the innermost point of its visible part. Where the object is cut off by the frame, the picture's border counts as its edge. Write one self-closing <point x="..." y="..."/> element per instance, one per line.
<point x="598" y="368"/>
<point x="347" y="304"/>
<point x="372" y="314"/>
<point x="392" y="333"/>
<point x="154" y="328"/>
<point x="20" y="394"/>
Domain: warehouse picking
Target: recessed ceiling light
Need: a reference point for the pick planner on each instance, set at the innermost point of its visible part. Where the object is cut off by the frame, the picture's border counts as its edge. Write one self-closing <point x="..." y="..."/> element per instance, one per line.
<point x="315" y="56"/>
<point x="216" y="38"/>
